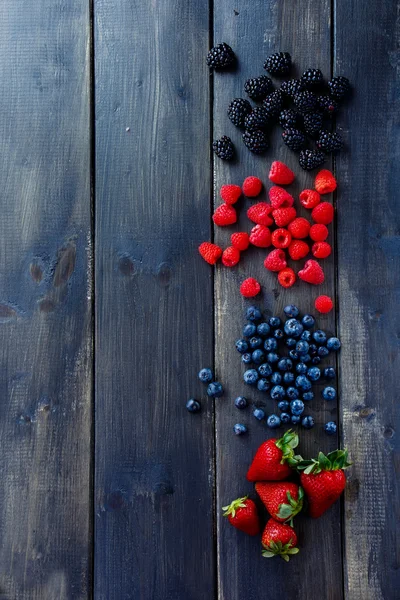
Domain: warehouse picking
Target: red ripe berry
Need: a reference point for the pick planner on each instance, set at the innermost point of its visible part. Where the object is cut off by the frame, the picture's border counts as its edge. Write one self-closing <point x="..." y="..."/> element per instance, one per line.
<point x="319" y="232"/>
<point x="240" y="240"/>
<point x="252" y="186"/>
<point x="299" y="228"/>
<point x="283" y="216"/>
<point x="287" y="277"/>
<point x="280" y="173"/>
<point x="230" y="193"/>
<point x="242" y="513"/>
<point x="224" y="215"/>
<point x="260" y="236"/>
<point x="325" y="182"/>
<point x="323" y="304"/>
<point x="309" y="198"/>
<point x="321" y="249"/>
<point x="323" y="213"/>
<point x="280" y="198"/>
<point x="298" y="249"/>
<point x="230" y="256"/>
<point x="281" y="238"/>
<point x="276" y="260"/>
<point x="312" y="273"/>
<point x="259" y="213"/>
<point x="210" y="252"/>
<point x="250" y="287"/>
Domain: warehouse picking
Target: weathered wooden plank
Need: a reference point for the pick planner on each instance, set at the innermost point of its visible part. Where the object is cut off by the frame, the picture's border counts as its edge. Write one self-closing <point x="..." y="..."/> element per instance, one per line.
<point x="256" y="29"/>
<point x="154" y="461"/>
<point x="366" y="50"/>
<point x="45" y="305"/>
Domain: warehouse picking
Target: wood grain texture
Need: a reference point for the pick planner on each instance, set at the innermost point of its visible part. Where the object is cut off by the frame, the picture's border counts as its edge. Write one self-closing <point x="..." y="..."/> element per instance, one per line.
<point x="256" y="29"/>
<point x="45" y="305"/>
<point x="369" y="266"/>
<point x="154" y="460"/>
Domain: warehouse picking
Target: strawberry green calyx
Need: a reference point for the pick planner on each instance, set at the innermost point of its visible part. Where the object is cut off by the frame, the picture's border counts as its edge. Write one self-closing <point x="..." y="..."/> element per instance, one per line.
<point x="287" y="443"/>
<point x="331" y="462"/>
<point x="292" y="508"/>
<point x="279" y="549"/>
<point x="231" y="509"/>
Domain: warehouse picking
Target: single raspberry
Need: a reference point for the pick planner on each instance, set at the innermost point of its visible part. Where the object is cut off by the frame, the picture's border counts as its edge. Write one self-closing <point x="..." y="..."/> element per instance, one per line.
<point x="283" y="216"/>
<point x="230" y="256"/>
<point x="325" y="182"/>
<point x="210" y="252"/>
<point x="224" y="215"/>
<point x="321" y="249"/>
<point x="260" y="236"/>
<point x="323" y="304"/>
<point x="281" y="238"/>
<point x="312" y="273"/>
<point x="298" y="249"/>
<point x="323" y="213"/>
<point x="276" y="260"/>
<point x="252" y="186"/>
<point x="230" y="193"/>
<point x="240" y="240"/>
<point x="280" y="198"/>
<point x="287" y="277"/>
<point x="250" y="287"/>
<point x="309" y="198"/>
<point x="259" y="213"/>
<point x="299" y="228"/>
<point x="280" y="173"/>
<point x="319" y="232"/>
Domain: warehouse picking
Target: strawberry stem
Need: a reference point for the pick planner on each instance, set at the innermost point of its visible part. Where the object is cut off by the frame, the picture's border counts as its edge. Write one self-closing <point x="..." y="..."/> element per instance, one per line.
<point x="234" y="506"/>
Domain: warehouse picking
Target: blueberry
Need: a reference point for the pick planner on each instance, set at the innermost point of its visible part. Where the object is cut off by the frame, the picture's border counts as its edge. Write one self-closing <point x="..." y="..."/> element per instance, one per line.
<point x="263" y="329"/>
<point x="255" y="342"/>
<point x="312" y="349"/>
<point x="330" y="427"/>
<point x="241" y="346"/>
<point x="329" y="373"/>
<point x="285" y="364"/>
<point x="316" y="360"/>
<point x="265" y="370"/>
<point x="290" y="342"/>
<point x="333" y="343"/>
<point x="246" y="358"/>
<point x="258" y="357"/>
<point x="276" y="378"/>
<point x="295" y="419"/>
<point x="301" y="368"/>
<point x="278" y="334"/>
<point x="193" y="406"/>
<point x="253" y="313"/>
<point x="272" y="357"/>
<point x="308" y="422"/>
<point x="296" y="407"/>
<point x="291" y="310"/>
<point x="313" y="373"/>
<point x="250" y="377"/>
<point x="308" y="321"/>
<point x="329" y="393"/>
<point x="215" y="390"/>
<point x="302" y="347"/>
<point x="274" y="322"/>
<point x="306" y="335"/>
<point x="292" y="393"/>
<point x="241" y="402"/>
<point x="323" y="351"/>
<point x="283" y="405"/>
<point x="239" y="429"/>
<point x="288" y="377"/>
<point x="303" y="383"/>
<point x="273" y="421"/>
<point x="305" y="358"/>
<point x="319" y="336"/>
<point x="263" y="385"/>
<point x="285" y="417"/>
<point x="277" y="392"/>
<point x="249" y="330"/>
<point x="270" y="344"/>
<point x="259" y="414"/>
<point x="205" y="375"/>
<point x="293" y="328"/>
<point x="307" y="396"/>
<point x="293" y="354"/>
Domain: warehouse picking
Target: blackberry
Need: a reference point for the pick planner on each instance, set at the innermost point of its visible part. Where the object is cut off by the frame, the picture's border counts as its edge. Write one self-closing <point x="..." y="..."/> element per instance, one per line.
<point x="224" y="148"/>
<point x="256" y="141"/>
<point x="294" y="139"/>
<point x="328" y="105"/>
<point x="257" y="119"/>
<point x="311" y="159"/>
<point x="220" y="57"/>
<point x="288" y="118"/>
<point x="312" y="78"/>
<point x="312" y="123"/>
<point x="339" y="87"/>
<point x="278" y="63"/>
<point x="291" y="87"/>
<point x="237" y="111"/>
<point x="273" y="104"/>
<point x="305" y="101"/>
<point x="329" y="142"/>
<point x="258" y="87"/>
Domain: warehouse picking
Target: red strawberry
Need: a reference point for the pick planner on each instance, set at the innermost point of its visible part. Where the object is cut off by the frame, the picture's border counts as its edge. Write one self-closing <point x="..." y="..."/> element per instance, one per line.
<point x="281" y="238"/>
<point x="321" y="249"/>
<point x="250" y="287"/>
<point x="279" y="539"/>
<point x="319" y="232"/>
<point x="210" y="252"/>
<point x="323" y="480"/>
<point x="252" y="186"/>
<point x="260" y="236"/>
<point x="283" y="500"/>
<point x="298" y="249"/>
<point x="242" y="514"/>
<point x="312" y="273"/>
<point x="323" y="304"/>
<point x="299" y="228"/>
<point x="283" y="216"/>
<point x="230" y="193"/>
<point x="230" y="256"/>
<point x="280" y="173"/>
<point x="240" y="240"/>
<point x="259" y="213"/>
<point x="309" y="198"/>
<point x="270" y="460"/>
<point x="224" y="215"/>
<point x="280" y="198"/>
<point x="325" y="182"/>
<point x="287" y="277"/>
<point x="323" y="213"/>
<point x="276" y="260"/>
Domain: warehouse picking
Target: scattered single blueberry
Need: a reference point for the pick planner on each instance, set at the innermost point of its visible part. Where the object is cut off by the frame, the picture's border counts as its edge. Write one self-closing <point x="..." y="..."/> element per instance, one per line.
<point x="303" y="383"/>
<point x="296" y="407"/>
<point x="285" y="417"/>
<point x="329" y="373"/>
<point x="277" y="392"/>
<point x="263" y="385"/>
<point x="308" y="422"/>
<point x="274" y="322"/>
<point x="241" y="346"/>
<point x="259" y="414"/>
<point x="293" y="328"/>
<point x="258" y="357"/>
<point x="291" y="311"/>
<point x="276" y="378"/>
<point x="307" y="396"/>
<point x="250" y="376"/>
<point x="333" y="343"/>
<point x="301" y="368"/>
<point x="215" y="390"/>
<point x="241" y="402"/>
<point x="278" y="334"/>
<point x="249" y="330"/>
<point x="263" y="329"/>
<point x="288" y="377"/>
<point x="294" y="355"/>
<point x="306" y="335"/>
<point x="205" y="375"/>
<point x="193" y="406"/>
<point x="329" y="393"/>
<point x="255" y="342"/>
<point x="323" y="351"/>
<point x="292" y="393"/>
<point x="308" y="321"/>
<point x="313" y="373"/>
<point x="285" y="364"/>
<point x="270" y="344"/>
<point x="246" y="358"/>
<point x="272" y="357"/>
<point x="316" y="360"/>
<point x="273" y="421"/>
<point x="265" y="370"/>
<point x="330" y="427"/>
<point x="253" y="313"/>
<point x="319" y="336"/>
<point x="290" y="342"/>
<point x="295" y="419"/>
<point x="302" y="347"/>
<point x="283" y="405"/>
<point x="239" y="429"/>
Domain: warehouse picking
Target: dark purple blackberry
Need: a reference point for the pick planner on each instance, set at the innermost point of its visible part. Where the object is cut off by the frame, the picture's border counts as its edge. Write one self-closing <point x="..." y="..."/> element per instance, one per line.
<point x="312" y="78"/>
<point x="258" y="87"/>
<point x="220" y="57"/>
<point x="288" y="118"/>
<point x="224" y="148"/>
<point x="257" y="119"/>
<point x="305" y="101"/>
<point x="237" y="111"/>
<point x="311" y="159"/>
<point x="328" y="105"/>
<point x="329" y="142"/>
<point x="291" y="87"/>
<point x="256" y="141"/>
<point x="312" y="124"/>
<point x="294" y="139"/>
<point x="273" y="104"/>
<point x="278" y="63"/>
<point x="339" y="87"/>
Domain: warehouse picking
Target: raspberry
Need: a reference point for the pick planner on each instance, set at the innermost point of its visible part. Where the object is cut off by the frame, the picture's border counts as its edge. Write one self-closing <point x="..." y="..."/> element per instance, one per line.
<point x="287" y="277"/>
<point x="260" y="236"/>
<point x="319" y="232"/>
<point x="323" y="213"/>
<point x="276" y="260"/>
<point x="323" y="304"/>
<point x="280" y="173"/>
<point x="230" y="256"/>
<point x="280" y="198"/>
<point x="240" y="240"/>
<point x="252" y="186"/>
<point x="281" y="238"/>
<point x="250" y="287"/>
<point x="298" y="249"/>
<point x="325" y="182"/>
<point x="312" y="273"/>
<point x="210" y="252"/>
<point x="230" y="193"/>
<point x="299" y="228"/>
<point x="283" y="216"/>
<point x="259" y="213"/>
<point x="224" y="215"/>
<point x="321" y="249"/>
<point x="309" y="198"/>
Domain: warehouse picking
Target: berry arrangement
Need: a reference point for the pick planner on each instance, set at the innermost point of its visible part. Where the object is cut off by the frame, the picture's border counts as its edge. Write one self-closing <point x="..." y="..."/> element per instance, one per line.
<point x="214" y="390"/>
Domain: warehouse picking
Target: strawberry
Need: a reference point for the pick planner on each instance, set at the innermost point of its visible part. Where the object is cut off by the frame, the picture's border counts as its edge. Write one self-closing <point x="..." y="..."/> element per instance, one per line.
<point x="242" y="514"/>
<point x="283" y="500"/>
<point x="312" y="273"/>
<point x="325" y="182"/>
<point x="240" y="240"/>
<point x="259" y="213"/>
<point x="276" y="260"/>
<point x="250" y="287"/>
<point x="280" y="173"/>
<point x="309" y="198"/>
<point x="298" y="249"/>
<point x="230" y="193"/>
<point x="270" y="460"/>
<point x="280" y="198"/>
<point x="224" y="215"/>
<point x="323" y="480"/>
<point x="287" y="277"/>
<point x="283" y="216"/>
<point x="210" y="252"/>
<point x="260" y="236"/>
<point x="279" y="539"/>
<point x="230" y="256"/>
<point x="252" y="186"/>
